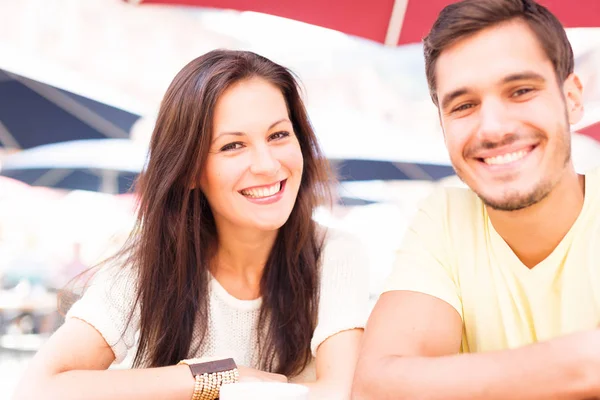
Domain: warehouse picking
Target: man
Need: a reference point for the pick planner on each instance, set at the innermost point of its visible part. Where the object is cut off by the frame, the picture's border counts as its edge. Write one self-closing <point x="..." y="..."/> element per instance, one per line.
<point x="495" y="293"/>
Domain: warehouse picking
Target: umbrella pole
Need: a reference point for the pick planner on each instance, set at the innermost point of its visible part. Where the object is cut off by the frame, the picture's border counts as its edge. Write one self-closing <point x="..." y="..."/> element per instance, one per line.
<point x="52" y="177"/>
<point x="110" y="182"/>
<point x="394" y="29"/>
<point x="7" y="139"/>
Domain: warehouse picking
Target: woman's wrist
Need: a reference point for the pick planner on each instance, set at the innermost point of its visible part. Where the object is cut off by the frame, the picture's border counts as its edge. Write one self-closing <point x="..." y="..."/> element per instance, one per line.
<point x="254" y="375"/>
<point x="209" y="376"/>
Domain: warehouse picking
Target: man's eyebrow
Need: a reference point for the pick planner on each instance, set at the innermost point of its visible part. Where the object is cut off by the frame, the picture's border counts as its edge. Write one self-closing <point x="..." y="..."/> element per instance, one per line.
<point x="448" y="98"/>
<point x="519" y="76"/>
<point x="524" y="76"/>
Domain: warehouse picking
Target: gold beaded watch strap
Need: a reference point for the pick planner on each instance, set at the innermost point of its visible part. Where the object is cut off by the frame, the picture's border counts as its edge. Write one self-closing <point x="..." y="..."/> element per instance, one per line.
<point x="209" y="376"/>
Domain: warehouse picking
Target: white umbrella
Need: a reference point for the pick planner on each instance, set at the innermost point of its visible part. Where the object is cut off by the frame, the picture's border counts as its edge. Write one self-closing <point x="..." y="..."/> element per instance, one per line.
<point x="107" y="159"/>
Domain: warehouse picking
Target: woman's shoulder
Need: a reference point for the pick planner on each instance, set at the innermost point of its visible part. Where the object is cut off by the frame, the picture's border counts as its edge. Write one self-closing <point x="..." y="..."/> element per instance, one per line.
<point x="335" y="239"/>
<point x="115" y="271"/>
<point x="342" y="251"/>
<point x="344" y="287"/>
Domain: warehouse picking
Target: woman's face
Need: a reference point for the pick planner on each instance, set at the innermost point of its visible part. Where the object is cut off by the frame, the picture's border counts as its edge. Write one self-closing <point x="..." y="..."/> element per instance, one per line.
<point x="254" y="166"/>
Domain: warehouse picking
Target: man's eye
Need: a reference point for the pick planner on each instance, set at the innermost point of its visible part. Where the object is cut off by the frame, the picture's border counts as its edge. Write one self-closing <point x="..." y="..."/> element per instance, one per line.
<point x="463" y="107"/>
<point x="521" y="92"/>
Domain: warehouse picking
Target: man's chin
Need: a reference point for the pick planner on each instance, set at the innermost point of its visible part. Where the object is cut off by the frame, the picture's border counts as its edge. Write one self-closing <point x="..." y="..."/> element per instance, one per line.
<point x="507" y="205"/>
<point x="514" y="201"/>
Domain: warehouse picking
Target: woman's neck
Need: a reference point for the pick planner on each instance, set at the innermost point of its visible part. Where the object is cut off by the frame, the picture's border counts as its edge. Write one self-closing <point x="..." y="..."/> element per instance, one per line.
<point x="241" y="256"/>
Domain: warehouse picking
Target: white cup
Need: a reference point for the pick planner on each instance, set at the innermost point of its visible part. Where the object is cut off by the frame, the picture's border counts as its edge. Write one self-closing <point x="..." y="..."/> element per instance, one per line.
<point x="263" y="391"/>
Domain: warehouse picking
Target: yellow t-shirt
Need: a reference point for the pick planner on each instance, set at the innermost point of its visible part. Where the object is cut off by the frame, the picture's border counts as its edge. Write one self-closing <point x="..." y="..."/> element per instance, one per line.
<point x="452" y="252"/>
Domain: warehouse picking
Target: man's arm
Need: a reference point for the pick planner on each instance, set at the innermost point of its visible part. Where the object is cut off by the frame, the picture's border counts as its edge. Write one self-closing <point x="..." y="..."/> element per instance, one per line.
<point x="410" y="351"/>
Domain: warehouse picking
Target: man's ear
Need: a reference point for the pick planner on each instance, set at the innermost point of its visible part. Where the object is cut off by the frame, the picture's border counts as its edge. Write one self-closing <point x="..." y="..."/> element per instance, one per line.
<point x="573" y="92"/>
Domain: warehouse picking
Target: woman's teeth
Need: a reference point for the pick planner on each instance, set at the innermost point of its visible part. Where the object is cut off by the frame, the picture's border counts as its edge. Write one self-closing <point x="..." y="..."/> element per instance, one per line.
<point x="505" y="158"/>
<point x="258" y="193"/>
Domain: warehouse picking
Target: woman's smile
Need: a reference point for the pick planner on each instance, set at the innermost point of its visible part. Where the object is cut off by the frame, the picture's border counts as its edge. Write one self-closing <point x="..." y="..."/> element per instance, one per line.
<point x="265" y="194"/>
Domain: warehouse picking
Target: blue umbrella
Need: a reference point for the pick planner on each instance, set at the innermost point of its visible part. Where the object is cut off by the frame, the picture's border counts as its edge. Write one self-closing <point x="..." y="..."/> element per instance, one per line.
<point x="105" y="165"/>
<point x="33" y="114"/>
<point x="367" y="170"/>
<point x="363" y="148"/>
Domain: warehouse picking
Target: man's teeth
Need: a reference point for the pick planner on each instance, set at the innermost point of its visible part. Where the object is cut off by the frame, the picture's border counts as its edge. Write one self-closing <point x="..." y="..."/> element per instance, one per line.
<point x="258" y="193"/>
<point x="505" y="158"/>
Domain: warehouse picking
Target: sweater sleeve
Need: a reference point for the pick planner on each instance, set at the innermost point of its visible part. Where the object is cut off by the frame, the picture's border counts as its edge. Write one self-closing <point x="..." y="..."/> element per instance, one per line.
<point x="107" y="305"/>
<point x="344" y="297"/>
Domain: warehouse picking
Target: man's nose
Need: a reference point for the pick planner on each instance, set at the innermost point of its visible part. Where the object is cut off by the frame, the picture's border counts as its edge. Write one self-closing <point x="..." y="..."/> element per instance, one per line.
<point x="494" y="121"/>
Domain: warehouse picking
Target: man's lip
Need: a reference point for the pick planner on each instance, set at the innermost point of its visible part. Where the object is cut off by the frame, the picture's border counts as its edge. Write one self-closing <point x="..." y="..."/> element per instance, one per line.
<point x="263" y="186"/>
<point x="504" y="150"/>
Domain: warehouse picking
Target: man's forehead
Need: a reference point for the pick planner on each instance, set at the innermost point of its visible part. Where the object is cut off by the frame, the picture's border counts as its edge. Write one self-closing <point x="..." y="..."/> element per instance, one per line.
<point x="490" y="55"/>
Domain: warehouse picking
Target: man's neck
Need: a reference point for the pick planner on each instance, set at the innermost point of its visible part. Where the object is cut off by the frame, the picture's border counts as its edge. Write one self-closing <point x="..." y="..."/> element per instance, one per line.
<point x="534" y="232"/>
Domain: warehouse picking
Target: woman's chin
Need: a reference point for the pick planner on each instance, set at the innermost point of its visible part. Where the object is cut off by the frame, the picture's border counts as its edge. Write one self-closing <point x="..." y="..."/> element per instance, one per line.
<point x="270" y="223"/>
<point x="268" y="226"/>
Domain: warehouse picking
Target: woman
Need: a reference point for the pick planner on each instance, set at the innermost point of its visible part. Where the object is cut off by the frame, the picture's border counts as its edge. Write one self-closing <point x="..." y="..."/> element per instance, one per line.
<point x="225" y="260"/>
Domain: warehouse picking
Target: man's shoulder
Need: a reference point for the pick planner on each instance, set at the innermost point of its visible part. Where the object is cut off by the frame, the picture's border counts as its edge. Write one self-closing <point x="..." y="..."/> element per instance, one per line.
<point x="592" y="198"/>
<point x="453" y="202"/>
<point x="592" y="178"/>
<point x="449" y="214"/>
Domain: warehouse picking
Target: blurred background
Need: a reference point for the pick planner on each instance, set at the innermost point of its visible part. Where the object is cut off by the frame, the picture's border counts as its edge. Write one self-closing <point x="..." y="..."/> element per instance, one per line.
<point x="81" y="82"/>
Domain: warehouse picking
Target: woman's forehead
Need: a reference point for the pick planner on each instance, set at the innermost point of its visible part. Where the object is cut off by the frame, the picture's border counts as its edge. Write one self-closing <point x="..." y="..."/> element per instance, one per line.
<point x="249" y="106"/>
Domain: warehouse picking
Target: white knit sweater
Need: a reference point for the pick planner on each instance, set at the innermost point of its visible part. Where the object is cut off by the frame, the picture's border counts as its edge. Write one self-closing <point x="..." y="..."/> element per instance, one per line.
<point x="232" y="323"/>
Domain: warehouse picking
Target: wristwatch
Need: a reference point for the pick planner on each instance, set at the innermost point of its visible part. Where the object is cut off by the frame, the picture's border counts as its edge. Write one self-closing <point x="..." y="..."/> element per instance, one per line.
<point x="209" y="376"/>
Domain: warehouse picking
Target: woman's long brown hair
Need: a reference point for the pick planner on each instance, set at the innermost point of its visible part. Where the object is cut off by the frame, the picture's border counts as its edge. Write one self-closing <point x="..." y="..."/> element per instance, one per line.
<point x="170" y="247"/>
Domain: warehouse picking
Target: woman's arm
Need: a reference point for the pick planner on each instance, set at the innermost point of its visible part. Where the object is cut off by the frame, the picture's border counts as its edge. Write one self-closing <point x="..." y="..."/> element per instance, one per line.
<point x="336" y="360"/>
<point x="343" y="310"/>
<point x="73" y="363"/>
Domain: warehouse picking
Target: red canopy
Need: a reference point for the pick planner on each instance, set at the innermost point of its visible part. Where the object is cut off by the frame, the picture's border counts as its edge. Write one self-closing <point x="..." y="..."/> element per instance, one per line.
<point x="592" y="131"/>
<point x="386" y="21"/>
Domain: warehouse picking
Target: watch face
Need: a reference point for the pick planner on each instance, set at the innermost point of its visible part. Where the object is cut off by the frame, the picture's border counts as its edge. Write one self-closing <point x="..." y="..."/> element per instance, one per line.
<point x="209" y="367"/>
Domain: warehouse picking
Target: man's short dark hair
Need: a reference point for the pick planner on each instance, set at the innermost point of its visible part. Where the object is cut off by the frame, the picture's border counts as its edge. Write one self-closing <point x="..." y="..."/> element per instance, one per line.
<point x="465" y="18"/>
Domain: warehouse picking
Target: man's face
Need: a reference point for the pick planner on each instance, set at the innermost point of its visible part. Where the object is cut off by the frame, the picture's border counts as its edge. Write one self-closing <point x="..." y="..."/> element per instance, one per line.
<point x="505" y="116"/>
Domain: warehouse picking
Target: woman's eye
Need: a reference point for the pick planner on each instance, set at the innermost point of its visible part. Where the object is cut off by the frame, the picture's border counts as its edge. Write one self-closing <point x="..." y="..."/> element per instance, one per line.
<point x="279" y="135"/>
<point x="232" y="146"/>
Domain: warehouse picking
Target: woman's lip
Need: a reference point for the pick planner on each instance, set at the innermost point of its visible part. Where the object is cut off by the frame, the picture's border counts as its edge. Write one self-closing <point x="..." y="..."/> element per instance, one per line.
<point x="262" y="186"/>
<point x="268" y="200"/>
